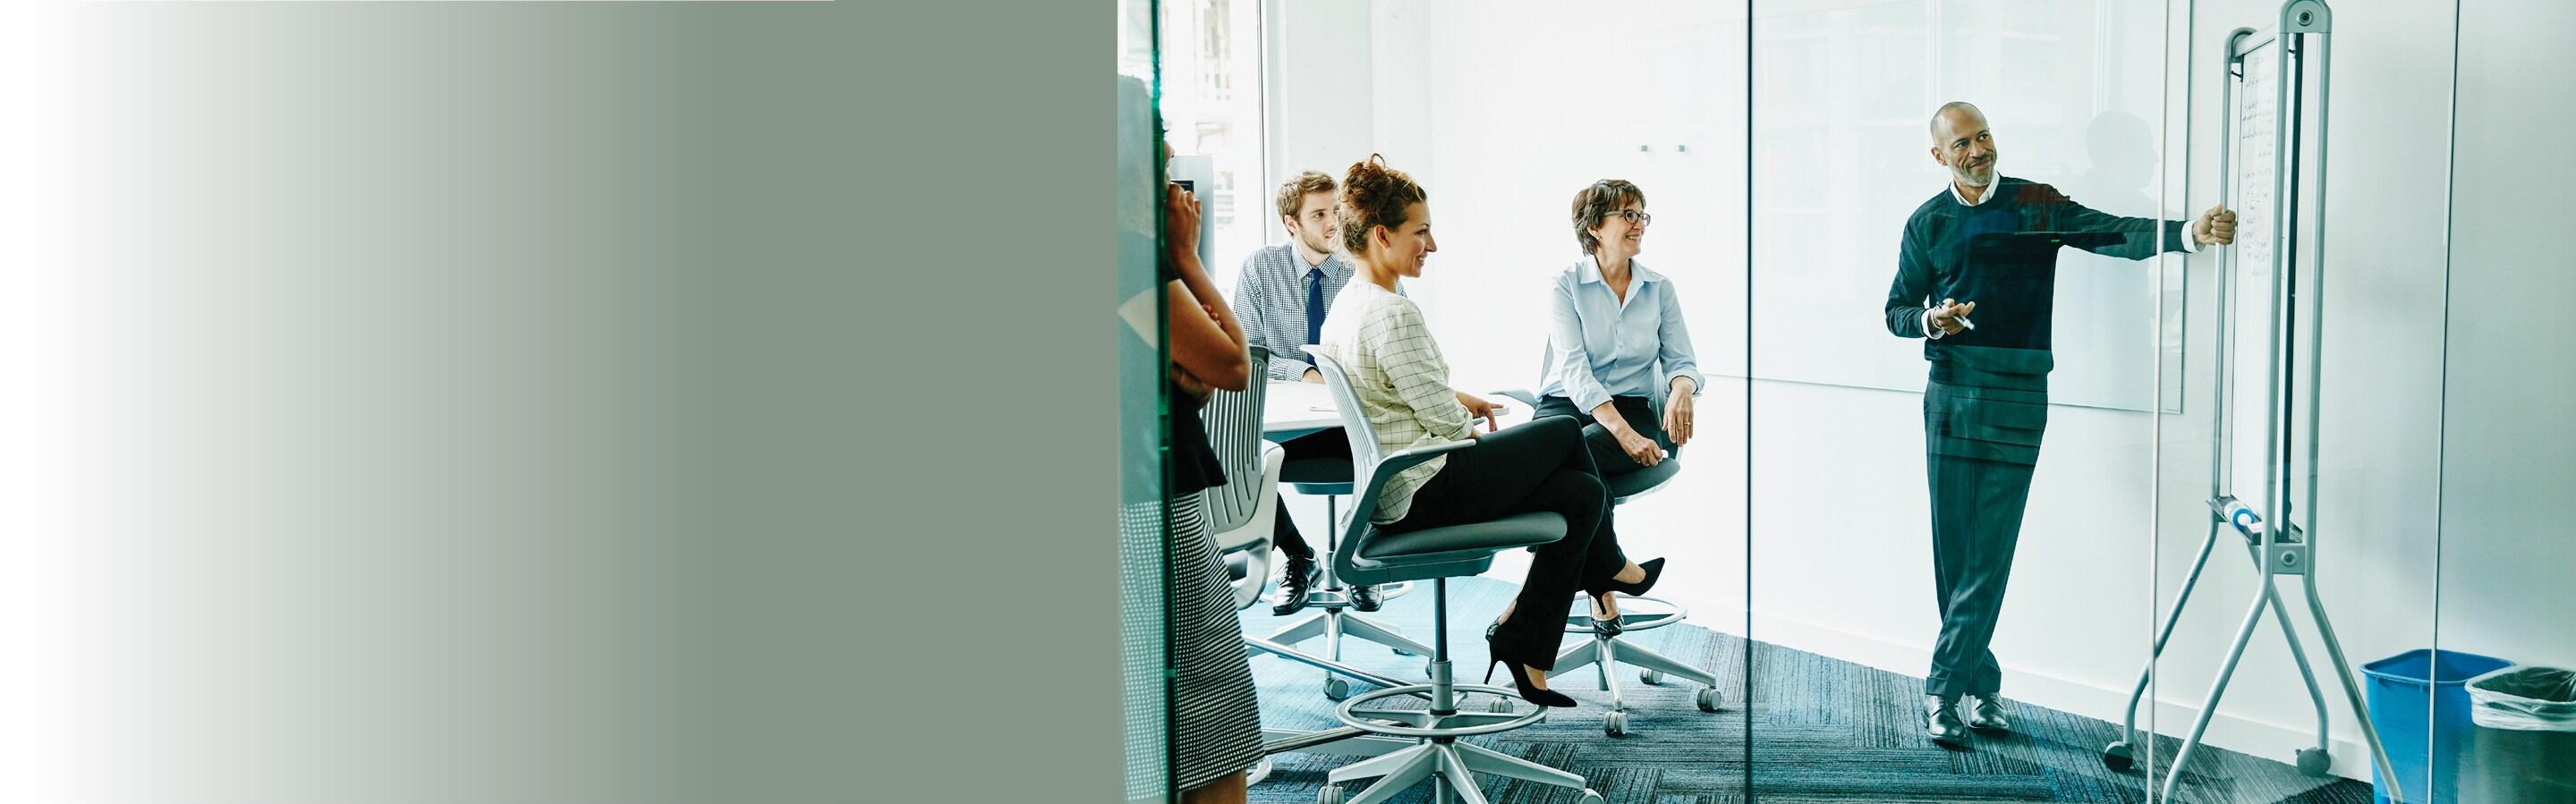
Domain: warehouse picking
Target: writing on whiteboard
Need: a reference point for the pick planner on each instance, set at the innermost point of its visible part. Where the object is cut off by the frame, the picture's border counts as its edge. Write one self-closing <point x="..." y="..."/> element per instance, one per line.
<point x="2257" y="120"/>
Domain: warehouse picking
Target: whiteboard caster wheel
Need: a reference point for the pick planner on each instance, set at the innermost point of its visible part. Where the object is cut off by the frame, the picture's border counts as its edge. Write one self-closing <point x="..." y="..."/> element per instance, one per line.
<point x="1329" y="794"/>
<point x="1500" y="706"/>
<point x="1708" y="699"/>
<point x="1615" y="724"/>
<point x="1588" y="797"/>
<point x="2314" y="761"/>
<point x="1336" y="688"/>
<point x="2116" y="756"/>
<point x="1651" y="677"/>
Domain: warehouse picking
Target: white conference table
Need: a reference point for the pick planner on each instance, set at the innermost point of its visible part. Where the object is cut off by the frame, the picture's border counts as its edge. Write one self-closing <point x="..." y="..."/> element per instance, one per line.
<point x="1292" y="409"/>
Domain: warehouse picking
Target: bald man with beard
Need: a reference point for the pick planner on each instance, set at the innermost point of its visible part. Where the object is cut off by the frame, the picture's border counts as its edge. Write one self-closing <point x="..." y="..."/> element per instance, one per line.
<point x="1985" y="403"/>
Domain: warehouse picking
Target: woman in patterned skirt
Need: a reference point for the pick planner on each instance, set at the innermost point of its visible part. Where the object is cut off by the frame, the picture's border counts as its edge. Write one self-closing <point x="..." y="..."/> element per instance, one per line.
<point x="1216" y="719"/>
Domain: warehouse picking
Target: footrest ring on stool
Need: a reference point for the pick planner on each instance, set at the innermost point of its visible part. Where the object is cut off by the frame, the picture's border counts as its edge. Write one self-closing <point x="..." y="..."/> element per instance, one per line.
<point x="1661" y="613"/>
<point x="1365" y="723"/>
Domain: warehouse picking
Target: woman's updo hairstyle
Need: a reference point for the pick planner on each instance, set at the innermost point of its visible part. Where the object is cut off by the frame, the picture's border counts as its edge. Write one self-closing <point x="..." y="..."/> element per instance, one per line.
<point x="1374" y="195"/>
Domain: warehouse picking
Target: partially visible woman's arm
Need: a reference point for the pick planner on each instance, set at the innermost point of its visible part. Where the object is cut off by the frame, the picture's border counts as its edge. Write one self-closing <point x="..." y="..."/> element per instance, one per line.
<point x="1412" y="362"/>
<point x="1207" y="343"/>
<point x="1681" y="367"/>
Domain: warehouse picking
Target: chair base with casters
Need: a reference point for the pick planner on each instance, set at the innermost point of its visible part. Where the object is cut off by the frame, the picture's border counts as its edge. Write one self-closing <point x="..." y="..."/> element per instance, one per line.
<point x="1344" y="741"/>
<point x="1338" y="676"/>
<point x="1601" y="651"/>
<point x="1331" y="479"/>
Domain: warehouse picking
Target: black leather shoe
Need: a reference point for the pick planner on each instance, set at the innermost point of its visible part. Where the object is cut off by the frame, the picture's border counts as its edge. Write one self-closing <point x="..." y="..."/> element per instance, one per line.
<point x="1296" y="582"/>
<point x="1987" y="712"/>
<point x="1942" y="715"/>
<point x="1364" y="597"/>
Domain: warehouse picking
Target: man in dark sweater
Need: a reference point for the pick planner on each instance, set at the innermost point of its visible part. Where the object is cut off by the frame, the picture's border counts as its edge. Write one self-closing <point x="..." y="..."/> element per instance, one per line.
<point x="1986" y="401"/>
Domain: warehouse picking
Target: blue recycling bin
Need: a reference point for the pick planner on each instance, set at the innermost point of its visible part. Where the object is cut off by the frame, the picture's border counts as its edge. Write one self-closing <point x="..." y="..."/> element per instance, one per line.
<point x="2400" y="687"/>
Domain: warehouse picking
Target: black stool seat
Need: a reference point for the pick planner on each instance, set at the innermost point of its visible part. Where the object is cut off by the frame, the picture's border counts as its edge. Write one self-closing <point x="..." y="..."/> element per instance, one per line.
<point x="1448" y="552"/>
<point x="1517" y="530"/>
<point x="1320" y="476"/>
<point x="1643" y="480"/>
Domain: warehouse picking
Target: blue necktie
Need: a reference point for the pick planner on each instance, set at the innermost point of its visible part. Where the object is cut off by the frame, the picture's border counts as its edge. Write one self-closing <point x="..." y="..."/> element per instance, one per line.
<point x="1314" y="309"/>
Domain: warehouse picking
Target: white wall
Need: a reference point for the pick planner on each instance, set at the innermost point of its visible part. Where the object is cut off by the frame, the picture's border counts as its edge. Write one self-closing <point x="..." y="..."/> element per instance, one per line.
<point x="1499" y="109"/>
<point x="1528" y="102"/>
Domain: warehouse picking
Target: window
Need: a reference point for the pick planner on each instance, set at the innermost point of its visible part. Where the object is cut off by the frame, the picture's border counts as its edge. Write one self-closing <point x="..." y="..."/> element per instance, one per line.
<point x="1213" y="48"/>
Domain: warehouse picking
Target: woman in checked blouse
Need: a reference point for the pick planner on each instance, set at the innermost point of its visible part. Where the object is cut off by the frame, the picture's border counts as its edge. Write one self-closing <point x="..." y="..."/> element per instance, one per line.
<point x="1403" y="387"/>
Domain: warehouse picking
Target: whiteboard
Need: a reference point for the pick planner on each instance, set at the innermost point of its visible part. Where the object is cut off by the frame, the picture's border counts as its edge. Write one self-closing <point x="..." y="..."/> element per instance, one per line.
<point x="2257" y="304"/>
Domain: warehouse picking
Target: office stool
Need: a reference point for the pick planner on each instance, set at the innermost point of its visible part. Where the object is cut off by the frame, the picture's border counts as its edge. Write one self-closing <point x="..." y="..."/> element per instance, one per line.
<point x="1369" y="555"/>
<point x="1602" y="651"/>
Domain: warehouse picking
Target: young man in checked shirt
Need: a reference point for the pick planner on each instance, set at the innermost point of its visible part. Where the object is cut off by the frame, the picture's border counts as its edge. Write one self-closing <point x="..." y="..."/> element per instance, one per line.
<point x="1281" y="298"/>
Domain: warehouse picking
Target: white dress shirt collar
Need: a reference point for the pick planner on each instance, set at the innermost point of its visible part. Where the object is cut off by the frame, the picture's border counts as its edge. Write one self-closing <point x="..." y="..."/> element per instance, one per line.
<point x="1589" y="271"/>
<point x="1989" y="194"/>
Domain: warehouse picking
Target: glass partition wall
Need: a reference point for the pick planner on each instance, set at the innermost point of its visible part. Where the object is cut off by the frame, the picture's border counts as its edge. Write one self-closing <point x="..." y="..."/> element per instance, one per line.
<point x="2020" y="561"/>
<point x="2508" y="455"/>
<point x="1143" y="555"/>
<point x="1951" y="586"/>
<point x="2068" y="499"/>
<point x="2507" y="460"/>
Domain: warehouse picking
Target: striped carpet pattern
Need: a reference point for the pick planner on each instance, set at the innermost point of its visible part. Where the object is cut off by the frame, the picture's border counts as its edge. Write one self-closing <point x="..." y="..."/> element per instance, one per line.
<point x="1823" y="730"/>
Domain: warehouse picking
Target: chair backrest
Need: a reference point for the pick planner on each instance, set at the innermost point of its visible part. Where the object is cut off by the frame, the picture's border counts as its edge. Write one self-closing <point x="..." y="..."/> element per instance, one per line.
<point x="1365" y="455"/>
<point x="1370" y="471"/>
<point x="1246" y="550"/>
<point x="1234" y="432"/>
<point x="1546" y="363"/>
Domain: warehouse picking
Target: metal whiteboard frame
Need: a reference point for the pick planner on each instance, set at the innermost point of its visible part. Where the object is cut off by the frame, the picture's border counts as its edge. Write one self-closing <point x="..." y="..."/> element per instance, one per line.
<point x="2274" y="540"/>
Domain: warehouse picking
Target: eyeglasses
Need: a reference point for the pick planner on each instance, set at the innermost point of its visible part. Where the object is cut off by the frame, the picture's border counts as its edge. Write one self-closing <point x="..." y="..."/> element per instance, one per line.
<point x="1633" y="216"/>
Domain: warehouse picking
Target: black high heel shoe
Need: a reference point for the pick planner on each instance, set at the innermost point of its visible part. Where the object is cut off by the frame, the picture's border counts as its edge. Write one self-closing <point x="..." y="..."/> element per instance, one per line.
<point x="1609" y="627"/>
<point x="1521" y="683"/>
<point x="1654" y="570"/>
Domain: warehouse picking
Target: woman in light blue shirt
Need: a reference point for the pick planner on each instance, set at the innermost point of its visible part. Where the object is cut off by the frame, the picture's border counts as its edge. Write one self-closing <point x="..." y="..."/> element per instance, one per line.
<point x="1616" y="338"/>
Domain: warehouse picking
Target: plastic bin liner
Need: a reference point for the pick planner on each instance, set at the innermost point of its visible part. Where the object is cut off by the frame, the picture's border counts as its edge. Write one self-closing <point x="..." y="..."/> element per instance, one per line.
<point x="2524" y="698"/>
